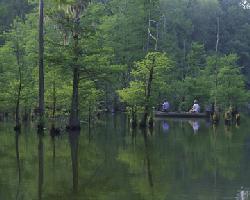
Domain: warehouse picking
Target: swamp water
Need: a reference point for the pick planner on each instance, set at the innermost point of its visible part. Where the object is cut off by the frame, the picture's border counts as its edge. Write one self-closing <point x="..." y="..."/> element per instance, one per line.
<point x="178" y="160"/>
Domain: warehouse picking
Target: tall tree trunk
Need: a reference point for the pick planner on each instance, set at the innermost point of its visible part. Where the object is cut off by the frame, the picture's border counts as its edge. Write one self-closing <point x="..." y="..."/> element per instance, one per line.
<point x="53" y="129"/>
<point x="18" y="125"/>
<point x="148" y="95"/>
<point x="184" y="60"/>
<point x="216" y="61"/>
<point x="77" y="9"/>
<point x="216" y="115"/>
<point x="148" y="35"/>
<point x="74" y="122"/>
<point x="41" y="66"/>
<point x="54" y="101"/>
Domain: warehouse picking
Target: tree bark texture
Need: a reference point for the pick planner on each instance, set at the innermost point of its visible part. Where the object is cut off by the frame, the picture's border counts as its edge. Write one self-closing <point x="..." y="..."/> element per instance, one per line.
<point x="148" y="95"/>
<point x="18" y="124"/>
<point x="74" y="122"/>
<point x="41" y="64"/>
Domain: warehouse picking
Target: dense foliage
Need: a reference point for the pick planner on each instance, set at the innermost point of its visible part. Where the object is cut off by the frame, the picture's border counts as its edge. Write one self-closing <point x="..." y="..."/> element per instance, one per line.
<point x="107" y="45"/>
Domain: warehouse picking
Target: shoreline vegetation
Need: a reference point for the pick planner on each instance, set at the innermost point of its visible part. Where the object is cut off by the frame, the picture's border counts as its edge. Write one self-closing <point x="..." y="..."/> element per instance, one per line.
<point x="77" y="59"/>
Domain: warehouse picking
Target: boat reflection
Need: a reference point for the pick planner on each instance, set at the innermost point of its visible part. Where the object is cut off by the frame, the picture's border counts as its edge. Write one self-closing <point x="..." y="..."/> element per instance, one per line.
<point x="194" y="123"/>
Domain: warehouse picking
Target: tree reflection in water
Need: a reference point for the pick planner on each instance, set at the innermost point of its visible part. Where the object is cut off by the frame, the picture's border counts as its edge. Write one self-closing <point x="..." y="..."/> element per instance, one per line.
<point x="147" y="157"/>
<point x="74" y="142"/>
<point x="118" y="164"/>
<point x="17" y="133"/>
<point x="40" y="163"/>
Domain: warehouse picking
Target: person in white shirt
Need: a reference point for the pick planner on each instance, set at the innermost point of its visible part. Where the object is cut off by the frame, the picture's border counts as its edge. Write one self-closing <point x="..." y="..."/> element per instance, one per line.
<point x="165" y="106"/>
<point x="195" y="108"/>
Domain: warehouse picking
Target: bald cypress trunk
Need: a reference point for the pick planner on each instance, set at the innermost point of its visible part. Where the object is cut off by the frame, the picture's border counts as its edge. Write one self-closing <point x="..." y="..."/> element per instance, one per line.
<point x="41" y="66"/>
<point x="216" y="114"/>
<point x="18" y="124"/>
<point x="216" y="61"/>
<point x="77" y="10"/>
<point x="74" y="122"/>
<point x="148" y="95"/>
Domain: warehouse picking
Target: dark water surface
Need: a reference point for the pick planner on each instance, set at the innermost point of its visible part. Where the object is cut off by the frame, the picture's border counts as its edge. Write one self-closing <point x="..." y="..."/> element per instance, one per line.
<point x="179" y="160"/>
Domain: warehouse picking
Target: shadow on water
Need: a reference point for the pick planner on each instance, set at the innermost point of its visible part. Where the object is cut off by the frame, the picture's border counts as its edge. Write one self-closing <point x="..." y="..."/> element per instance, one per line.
<point x="74" y="146"/>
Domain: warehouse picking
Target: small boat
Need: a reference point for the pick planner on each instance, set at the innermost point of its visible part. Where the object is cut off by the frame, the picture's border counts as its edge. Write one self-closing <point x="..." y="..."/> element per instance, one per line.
<point x="181" y="114"/>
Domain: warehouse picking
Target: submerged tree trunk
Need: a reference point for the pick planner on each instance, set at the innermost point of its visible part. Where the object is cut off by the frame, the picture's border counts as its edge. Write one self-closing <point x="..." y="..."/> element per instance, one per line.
<point x="41" y="66"/>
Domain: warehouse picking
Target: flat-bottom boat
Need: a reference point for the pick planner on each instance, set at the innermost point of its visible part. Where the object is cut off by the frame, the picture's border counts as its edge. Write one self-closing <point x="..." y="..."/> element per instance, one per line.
<point x="181" y="114"/>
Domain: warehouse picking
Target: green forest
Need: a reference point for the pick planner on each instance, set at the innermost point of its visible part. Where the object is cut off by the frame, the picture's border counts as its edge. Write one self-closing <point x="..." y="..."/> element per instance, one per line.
<point x="77" y="58"/>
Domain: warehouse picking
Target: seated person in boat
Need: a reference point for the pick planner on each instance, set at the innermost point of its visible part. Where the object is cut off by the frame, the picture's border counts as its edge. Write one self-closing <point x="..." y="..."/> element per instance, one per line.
<point x="195" y="108"/>
<point x="165" y="106"/>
